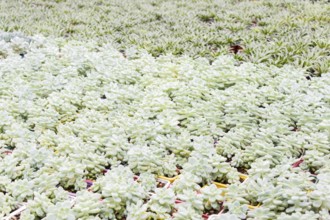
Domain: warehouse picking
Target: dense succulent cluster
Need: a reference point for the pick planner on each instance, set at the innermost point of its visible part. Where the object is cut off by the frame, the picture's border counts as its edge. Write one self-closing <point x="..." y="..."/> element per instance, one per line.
<point x="70" y="110"/>
<point x="273" y="32"/>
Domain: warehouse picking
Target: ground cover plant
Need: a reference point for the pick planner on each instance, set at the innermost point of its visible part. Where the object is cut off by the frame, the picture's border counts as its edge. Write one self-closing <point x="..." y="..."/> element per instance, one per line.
<point x="273" y="32"/>
<point x="71" y="110"/>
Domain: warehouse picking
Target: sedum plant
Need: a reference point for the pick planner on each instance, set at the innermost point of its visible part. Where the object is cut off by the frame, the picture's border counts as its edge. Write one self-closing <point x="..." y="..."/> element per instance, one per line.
<point x="187" y="212"/>
<point x="307" y="215"/>
<point x="118" y="189"/>
<point x="148" y="181"/>
<point x="212" y="197"/>
<point x="61" y="210"/>
<point x="37" y="207"/>
<point x="199" y="168"/>
<point x="8" y="204"/>
<point x="262" y="213"/>
<point x="21" y="190"/>
<point x="225" y="216"/>
<point x="139" y="211"/>
<point x="185" y="182"/>
<point x="318" y="198"/>
<point x="87" y="205"/>
<point x="222" y="171"/>
<point x="238" y="209"/>
<point x="161" y="203"/>
<point x="160" y="163"/>
<point x="191" y="200"/>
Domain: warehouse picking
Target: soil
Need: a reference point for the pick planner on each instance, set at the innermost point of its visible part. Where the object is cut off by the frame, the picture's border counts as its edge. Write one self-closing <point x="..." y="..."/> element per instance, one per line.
<point x="242" y="170"/>
<point x="160" y="184"/>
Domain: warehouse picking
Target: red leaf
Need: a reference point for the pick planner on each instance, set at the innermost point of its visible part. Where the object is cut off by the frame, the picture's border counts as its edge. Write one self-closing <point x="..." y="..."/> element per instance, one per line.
<point x="297" y="163"/>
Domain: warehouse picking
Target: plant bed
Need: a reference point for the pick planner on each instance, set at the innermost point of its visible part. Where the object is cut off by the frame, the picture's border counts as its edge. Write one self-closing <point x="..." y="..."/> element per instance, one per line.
<point x="256" y="35"/>
<point x="212" y="97"/>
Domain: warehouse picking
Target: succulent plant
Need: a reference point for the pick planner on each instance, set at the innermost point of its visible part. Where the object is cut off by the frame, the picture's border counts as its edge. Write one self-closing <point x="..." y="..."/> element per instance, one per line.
<point x="187" y="212"/>
<point x="191" y="200"/>
<point x="161" y="202"/>
<point x="139" y="211"/>
<point x="148" y="181"/>
<point x="38" y="206"/>
<point x="87" y="204"/>
<point x="8" y="203"/>
<point x="200" y="169"/>
<point x="212" y="197"/>
<point x="61" y="210"/>
<point x="238" y="209"/>
<point x="118" y="188"/>
<point x="225" y="216"/>
<point x="160" y="164"/>
<point x="185" y="182"/>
